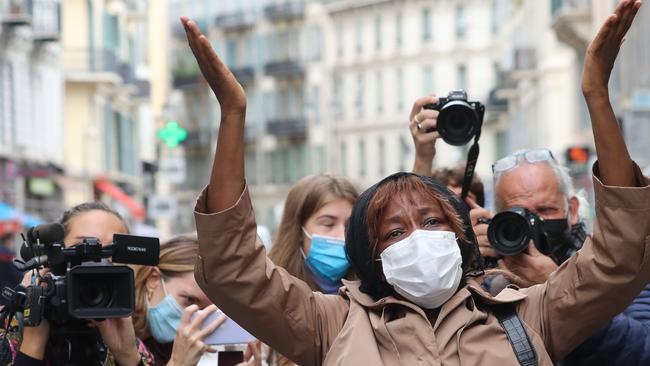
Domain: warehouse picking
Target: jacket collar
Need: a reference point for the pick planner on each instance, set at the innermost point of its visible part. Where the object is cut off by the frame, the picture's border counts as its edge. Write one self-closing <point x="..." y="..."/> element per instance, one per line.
<point x="510" y="294"/>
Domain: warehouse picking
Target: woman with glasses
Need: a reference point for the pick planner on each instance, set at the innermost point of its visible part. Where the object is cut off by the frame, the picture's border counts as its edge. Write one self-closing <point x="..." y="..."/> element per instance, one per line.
<point x="419" y="299"/>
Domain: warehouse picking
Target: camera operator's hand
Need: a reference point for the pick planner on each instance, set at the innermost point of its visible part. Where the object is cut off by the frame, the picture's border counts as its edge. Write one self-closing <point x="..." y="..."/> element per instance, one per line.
<point x="35" y="338"/>
<point x="476" y="213"/>
<point x="531" y="265"/>
<point x="253" y="354"/>
<point x="119" y="336"/>
<point x="188" y="344"/>
<point x="421" y="120"/>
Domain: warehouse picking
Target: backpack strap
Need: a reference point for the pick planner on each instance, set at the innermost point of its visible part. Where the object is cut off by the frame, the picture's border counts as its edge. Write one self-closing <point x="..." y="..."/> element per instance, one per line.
<point x="517" y="335"/>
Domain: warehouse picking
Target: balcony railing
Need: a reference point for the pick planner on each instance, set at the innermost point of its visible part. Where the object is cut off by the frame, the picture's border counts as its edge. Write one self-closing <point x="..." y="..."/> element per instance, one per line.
<point x="43" y="15"/>
<point x="571" y="20"/>
<point x="90" y="61"/>
<point x="245" y="75"/>
<point x="525" y="58"/>
<point x="292" y="128"/>
<point x="16" y="12"/>
<point x="235" y="21"/>
<point x="287" y="68"/>
<point x="285" y="10"/>
<point x="46" y="20"/>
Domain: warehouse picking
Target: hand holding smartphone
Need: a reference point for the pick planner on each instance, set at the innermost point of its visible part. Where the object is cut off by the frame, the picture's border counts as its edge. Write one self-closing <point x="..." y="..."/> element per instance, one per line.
<point x="228" y="332"/>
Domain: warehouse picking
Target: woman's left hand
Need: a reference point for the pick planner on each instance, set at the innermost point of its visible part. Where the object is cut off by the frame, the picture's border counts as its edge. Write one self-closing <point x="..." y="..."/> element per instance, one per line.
<point x="603" y="50"/>
<point x="119" y="336"/>
<point x="253" y="354"/>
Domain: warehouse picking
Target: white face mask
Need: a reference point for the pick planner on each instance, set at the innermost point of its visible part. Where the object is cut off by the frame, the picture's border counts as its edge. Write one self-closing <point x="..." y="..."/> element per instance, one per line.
<point x="425" y="268"/>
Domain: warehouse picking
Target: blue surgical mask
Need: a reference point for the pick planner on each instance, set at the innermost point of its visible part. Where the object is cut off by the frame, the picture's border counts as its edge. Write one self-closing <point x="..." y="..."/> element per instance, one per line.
<point x="164" y="318"/>
<point x="327" y="257"/>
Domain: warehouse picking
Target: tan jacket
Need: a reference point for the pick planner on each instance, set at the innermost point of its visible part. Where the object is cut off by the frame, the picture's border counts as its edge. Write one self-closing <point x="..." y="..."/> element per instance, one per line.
<point x="353" y="329"/>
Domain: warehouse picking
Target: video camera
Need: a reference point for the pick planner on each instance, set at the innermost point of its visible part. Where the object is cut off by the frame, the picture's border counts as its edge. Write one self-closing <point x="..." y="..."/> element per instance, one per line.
<point x="81" y="284"/>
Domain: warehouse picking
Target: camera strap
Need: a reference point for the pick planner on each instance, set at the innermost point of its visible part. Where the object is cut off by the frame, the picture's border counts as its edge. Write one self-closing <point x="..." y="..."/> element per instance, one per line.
<point x="472" y="157"/>
<point x="517" y="335"/>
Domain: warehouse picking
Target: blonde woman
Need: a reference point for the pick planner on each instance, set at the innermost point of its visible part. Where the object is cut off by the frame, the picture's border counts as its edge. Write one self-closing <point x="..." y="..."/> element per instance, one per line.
<point x="310" y="239"/>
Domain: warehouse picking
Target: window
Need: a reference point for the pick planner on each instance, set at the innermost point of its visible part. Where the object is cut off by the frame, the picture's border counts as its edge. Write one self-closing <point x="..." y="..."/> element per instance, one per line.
<point x="380" y="92"/>
<point x="344" y="159"/>
<point x="461" y="77"/>
<point x="339" y="41"/>
<point x="426" y="24"/>
<point x="337" y="98"/>
<point x="461" y="22"/>
<point x="494" y="17"/>
<point x="404" y="150"/>
<point x="362" y="158"/>
<point x="360" y="96"/>
<point x="315" y="103"/>
<point x="231" y="53"/>
<point x="359" y="37"/>
<point x="400" y="89"/>
<point x="378" y="33"/>
<point x="398" y="30"/>
<point x="314" y="45"/>
<point x="427" y="80"/>
<point x="320" y="159"/>
<point x="381" y="158"/>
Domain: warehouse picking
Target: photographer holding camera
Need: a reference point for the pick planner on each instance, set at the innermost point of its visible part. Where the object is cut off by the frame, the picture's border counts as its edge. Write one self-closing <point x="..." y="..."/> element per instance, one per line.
<point x="120" y="345"/>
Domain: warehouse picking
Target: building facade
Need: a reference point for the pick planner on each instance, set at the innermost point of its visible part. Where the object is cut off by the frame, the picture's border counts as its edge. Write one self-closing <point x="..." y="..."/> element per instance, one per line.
<point x="31" y="97"/>
<point x="107" y="103"/>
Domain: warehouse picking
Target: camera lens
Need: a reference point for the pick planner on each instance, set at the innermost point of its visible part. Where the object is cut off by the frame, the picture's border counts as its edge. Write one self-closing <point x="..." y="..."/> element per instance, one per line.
<point x="95" y="295"/>
<point x="456" y="123"/>
<point x="509" y="233"/>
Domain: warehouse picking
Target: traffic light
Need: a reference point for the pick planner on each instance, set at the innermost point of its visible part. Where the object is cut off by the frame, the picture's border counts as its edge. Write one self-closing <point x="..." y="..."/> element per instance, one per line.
<point x="578" y="155"/>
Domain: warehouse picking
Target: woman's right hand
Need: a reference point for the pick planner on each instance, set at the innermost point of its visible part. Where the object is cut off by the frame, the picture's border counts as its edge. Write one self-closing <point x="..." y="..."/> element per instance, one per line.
<point x="35" y="338"/>
<point x="188" y="344"/>
<point x="420" y="121"/>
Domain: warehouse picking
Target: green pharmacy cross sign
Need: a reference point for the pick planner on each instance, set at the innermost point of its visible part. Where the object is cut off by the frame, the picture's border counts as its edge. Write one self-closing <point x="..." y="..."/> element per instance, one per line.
<point x="172" y="134"/>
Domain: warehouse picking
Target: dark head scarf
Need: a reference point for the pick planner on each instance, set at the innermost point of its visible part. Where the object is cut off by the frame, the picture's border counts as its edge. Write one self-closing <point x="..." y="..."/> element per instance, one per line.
<point x="359" y="251"/>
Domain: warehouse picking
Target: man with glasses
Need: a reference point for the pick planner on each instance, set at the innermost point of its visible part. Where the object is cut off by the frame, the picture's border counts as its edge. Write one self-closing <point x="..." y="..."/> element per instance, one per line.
<point x="534" y="180"/>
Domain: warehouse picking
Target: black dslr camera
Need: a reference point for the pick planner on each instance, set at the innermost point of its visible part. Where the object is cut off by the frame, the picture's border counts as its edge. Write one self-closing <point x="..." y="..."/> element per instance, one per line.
<point x="510" y="231"/>
<point x="459" y="120"/>
<point x="82" y="284"/>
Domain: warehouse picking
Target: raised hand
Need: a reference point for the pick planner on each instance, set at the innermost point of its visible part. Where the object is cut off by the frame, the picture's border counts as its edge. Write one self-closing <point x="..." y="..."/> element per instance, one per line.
<point x="228" y="91"/>
<point x="603" y="50"/>
<point x="614" y="162"/>
<point x="420" y="121"/>
<point x="227" y="178"/>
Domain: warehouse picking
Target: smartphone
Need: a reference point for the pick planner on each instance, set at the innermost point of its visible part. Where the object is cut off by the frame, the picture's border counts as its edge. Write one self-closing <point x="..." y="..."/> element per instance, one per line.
<point x="230" y="358"/>
<point x="228" y="332"/>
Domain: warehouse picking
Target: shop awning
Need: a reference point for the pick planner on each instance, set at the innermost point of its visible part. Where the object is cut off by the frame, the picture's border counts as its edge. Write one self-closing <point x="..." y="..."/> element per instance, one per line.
<point x="116" y="193"/>
<point x="10" y="213"/>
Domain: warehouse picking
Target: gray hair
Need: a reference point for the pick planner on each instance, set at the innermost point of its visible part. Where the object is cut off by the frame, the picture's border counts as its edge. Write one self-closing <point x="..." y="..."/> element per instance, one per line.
<point x="561" y="173"/>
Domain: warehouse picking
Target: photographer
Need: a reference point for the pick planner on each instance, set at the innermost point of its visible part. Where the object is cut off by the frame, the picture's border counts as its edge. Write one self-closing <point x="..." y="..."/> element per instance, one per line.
<point x="418" y="300"/>
<point x="533" y="179"/>
<point x="88" y="220"/>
